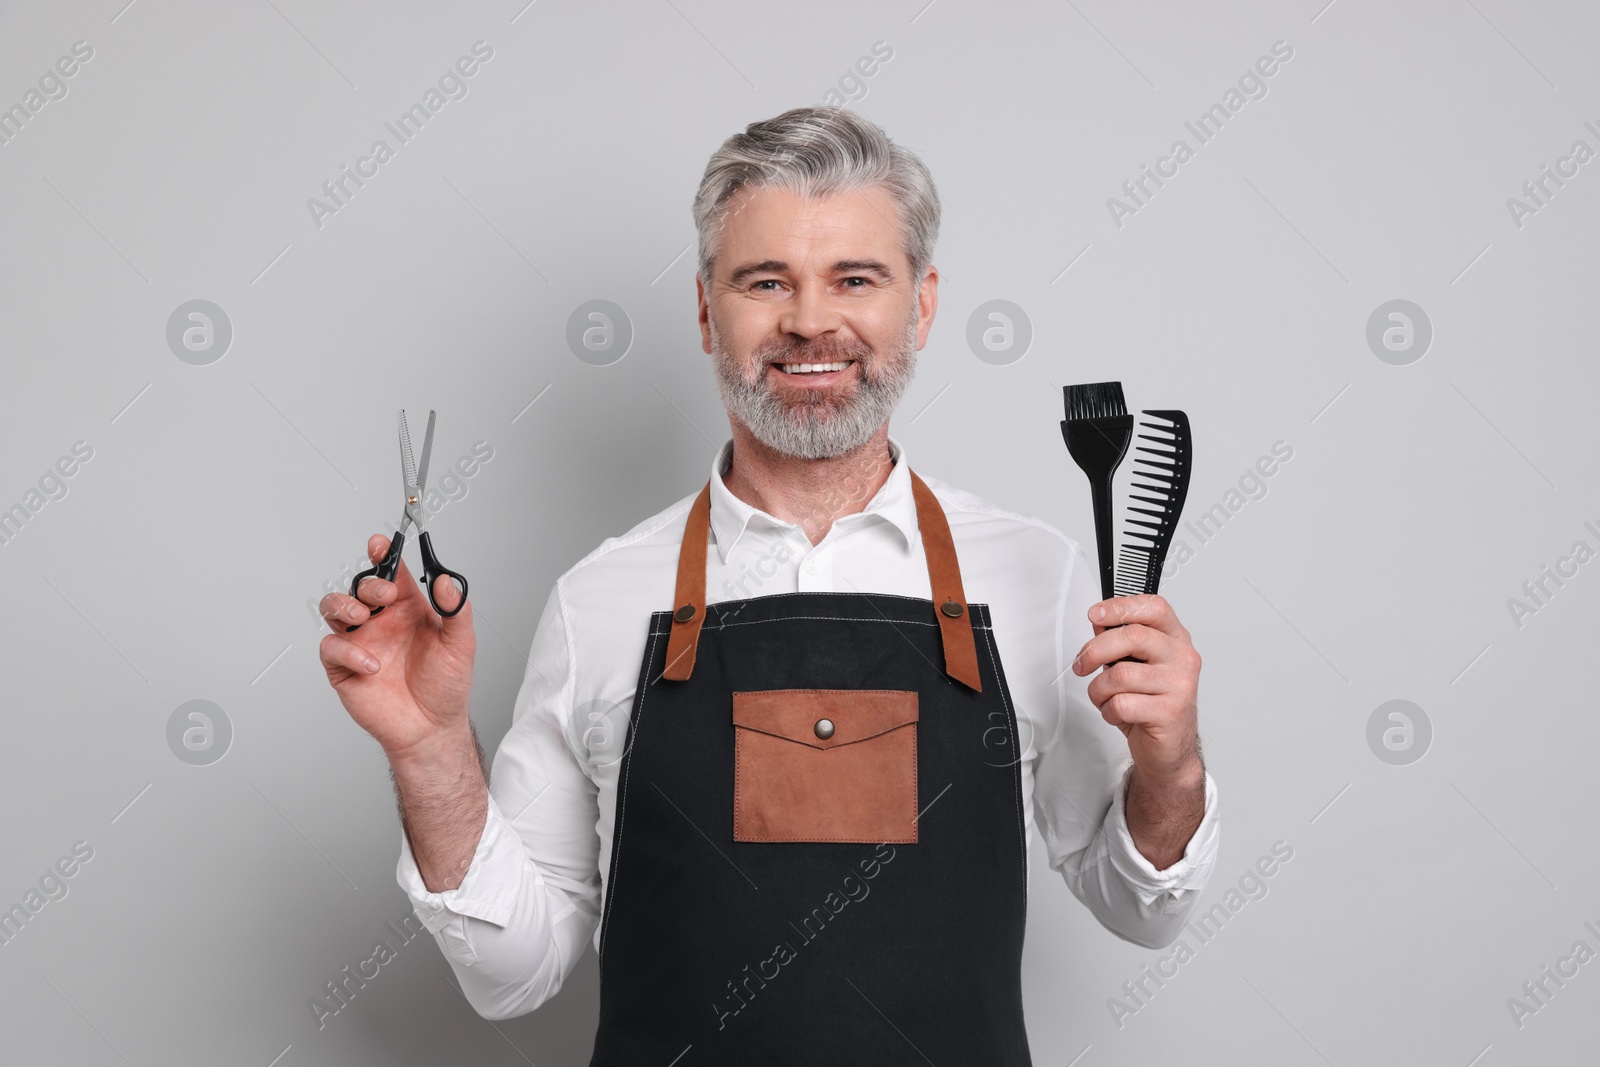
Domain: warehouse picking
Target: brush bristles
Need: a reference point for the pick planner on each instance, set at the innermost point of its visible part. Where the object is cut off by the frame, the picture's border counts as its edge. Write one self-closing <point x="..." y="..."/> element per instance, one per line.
<point x="1094" y="401"/>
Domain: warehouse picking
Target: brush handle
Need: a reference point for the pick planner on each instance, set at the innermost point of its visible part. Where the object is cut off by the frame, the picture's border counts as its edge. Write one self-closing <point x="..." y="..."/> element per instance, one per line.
<point x="1104" y="529"/>
<point x="1103" y="536"/>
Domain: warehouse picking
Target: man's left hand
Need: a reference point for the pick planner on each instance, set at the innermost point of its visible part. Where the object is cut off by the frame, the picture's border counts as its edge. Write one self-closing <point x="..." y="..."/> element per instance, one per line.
<point x="1150" y="697"/>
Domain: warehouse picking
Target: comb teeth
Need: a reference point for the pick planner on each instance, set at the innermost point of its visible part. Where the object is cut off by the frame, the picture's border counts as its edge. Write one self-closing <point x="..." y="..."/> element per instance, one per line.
<point x="1160" y="476"/>
<point x="1134" y="572"/>
<point x="1096" y="400"/>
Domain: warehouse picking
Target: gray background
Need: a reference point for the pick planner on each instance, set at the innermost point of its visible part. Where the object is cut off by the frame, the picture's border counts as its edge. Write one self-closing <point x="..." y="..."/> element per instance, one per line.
<point x="1419" y="498"/>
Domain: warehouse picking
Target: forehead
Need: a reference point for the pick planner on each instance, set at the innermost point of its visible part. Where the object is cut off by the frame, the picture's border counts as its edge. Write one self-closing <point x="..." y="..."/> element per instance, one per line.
<point x="810" y="233"/>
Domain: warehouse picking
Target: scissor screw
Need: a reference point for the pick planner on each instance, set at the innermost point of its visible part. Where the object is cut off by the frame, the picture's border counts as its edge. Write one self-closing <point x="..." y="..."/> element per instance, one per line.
<point x="411" y="500"/>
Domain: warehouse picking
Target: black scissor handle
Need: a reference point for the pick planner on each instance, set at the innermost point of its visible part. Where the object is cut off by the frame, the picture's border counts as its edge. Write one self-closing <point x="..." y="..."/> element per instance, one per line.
<point x="385" y="569"/>
<point x="432" y="569"/>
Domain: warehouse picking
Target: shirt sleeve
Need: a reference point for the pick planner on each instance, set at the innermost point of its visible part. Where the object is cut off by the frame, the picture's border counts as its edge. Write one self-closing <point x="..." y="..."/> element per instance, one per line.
<point x="1079" y="784"/>
<point x="517" y="924"/>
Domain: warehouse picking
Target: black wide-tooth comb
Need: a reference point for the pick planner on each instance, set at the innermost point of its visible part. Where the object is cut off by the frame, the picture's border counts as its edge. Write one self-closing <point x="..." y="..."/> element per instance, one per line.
<point x="1098" y="430"/>
<point x="1160" y="484"/>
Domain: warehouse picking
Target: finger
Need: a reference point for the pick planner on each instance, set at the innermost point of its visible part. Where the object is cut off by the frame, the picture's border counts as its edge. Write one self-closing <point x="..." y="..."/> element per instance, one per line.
<point x="1136" y="640"/>
<point x="340" y="610"/>
<point x="1127" y="710"/>
<point x="367" y="589"/>
<point x="342" y="653"/>
<point x="374" y="591"/>
<point x="404" y="585"/>
<point x="1148" y="609"/>
<point x="1129" y="677"/>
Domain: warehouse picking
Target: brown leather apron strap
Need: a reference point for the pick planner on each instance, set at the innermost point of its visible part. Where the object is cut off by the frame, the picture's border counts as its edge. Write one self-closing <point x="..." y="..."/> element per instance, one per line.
<point x="944" y="578"/>
<point x="689" y="601"/>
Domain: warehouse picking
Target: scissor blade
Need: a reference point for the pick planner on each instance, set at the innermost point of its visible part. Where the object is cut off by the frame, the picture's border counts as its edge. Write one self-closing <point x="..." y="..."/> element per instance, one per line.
<point x="408" y="465"/>
<point x="427" y="450"/>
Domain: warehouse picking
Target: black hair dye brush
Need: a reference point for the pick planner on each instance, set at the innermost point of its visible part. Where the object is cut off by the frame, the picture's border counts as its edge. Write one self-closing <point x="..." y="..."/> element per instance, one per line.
<point x="1098" y="431"/>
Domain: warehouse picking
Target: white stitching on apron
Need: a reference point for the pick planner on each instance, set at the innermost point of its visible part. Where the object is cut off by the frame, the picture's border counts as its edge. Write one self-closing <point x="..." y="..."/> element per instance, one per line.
<point x="988" y="640"/>
<point x="622" y="803"/>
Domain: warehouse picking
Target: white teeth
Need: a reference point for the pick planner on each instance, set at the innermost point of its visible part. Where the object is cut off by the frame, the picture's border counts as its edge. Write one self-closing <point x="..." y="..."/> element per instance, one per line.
<point x="808" y="368"/>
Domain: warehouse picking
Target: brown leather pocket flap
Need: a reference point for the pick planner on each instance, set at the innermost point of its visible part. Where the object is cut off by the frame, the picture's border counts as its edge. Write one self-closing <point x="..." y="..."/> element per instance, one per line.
<point x="793" y="714"/>
<point x="858" y="784"/>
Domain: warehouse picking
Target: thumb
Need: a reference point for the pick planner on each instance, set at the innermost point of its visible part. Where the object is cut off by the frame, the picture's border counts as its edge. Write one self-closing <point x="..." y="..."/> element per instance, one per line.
<point x="457" y="627"/>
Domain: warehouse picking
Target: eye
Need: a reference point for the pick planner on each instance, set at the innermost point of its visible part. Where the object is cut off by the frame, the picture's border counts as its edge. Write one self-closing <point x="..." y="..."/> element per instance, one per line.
<point x="856" y="278"/>
<point x="765" y="281"/>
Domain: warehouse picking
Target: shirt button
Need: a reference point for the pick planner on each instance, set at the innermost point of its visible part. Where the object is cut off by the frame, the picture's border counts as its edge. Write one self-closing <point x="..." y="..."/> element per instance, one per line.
<point x="823" y="729"/>
<point x="811" y="566"/>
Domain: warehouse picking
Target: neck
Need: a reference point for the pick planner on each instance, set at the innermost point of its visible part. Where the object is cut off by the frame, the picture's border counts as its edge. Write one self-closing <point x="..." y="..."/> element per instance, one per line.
<point x="811" y="493"/>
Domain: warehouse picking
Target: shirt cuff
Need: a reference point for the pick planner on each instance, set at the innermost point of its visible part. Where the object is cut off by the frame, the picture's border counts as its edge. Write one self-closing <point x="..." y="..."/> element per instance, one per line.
<point x="1188" y="875"/>
<point x="492" y="882"/>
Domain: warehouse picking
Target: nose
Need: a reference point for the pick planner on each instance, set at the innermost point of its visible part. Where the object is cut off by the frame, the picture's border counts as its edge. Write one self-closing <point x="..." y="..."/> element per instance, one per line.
<point x="809" y="313"/>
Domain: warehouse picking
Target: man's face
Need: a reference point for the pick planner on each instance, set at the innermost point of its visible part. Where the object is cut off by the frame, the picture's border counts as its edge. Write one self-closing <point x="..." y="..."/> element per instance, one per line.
<point x="804" y="284"/>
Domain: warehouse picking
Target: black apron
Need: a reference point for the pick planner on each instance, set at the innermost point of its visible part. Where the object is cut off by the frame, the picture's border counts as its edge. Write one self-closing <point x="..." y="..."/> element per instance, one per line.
<point x="818" y="854"/>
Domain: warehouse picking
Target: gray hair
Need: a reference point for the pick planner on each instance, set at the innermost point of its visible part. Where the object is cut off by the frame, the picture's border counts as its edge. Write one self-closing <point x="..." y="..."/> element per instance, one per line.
<point x="818" y="152"/>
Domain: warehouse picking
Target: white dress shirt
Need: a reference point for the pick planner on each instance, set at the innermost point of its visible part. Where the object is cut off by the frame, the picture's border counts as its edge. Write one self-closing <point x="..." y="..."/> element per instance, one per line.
<point x="515" y="927"/>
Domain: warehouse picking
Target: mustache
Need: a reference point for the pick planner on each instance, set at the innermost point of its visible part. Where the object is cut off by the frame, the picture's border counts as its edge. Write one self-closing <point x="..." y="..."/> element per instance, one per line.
<point x="822" y="350"/>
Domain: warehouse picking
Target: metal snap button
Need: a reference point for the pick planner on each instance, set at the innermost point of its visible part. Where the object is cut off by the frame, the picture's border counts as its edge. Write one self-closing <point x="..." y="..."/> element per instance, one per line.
<point x="684" y="614"/>
<point x="951" y="608"/>
<point x="824" y="728"/>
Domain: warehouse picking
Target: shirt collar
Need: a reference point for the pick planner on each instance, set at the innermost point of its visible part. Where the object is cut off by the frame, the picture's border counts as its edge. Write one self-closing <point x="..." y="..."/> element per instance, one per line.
<point x="894" y="503"/>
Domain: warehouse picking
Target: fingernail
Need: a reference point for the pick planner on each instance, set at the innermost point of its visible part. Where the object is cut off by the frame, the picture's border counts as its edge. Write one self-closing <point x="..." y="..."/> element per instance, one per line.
<point x="1097" y="613"/>
<point x="369" y="665"/>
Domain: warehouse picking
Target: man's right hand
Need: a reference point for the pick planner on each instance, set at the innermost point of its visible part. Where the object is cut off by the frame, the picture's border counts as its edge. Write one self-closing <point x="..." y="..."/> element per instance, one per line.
<point x="405" y="676"/>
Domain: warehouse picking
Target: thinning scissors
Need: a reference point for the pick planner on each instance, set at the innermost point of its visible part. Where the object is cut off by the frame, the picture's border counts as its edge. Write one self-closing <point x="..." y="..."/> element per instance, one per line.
<point x="416" y="480"/>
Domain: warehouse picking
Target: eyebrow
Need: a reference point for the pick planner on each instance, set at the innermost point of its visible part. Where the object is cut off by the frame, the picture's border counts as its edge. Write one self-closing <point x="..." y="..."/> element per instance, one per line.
<point x="843" y="266"/>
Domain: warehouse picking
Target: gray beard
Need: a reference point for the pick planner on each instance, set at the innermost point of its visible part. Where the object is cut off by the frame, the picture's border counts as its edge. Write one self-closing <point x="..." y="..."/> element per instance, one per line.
<point x="828" y="427"/>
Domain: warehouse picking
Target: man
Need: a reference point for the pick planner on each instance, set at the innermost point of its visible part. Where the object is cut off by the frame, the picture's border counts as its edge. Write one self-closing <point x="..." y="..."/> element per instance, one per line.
<point x="765" y="754"/>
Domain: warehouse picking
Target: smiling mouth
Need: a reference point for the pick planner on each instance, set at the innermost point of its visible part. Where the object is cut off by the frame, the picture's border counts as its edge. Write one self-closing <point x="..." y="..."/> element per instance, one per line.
<point x="801" y="369"/>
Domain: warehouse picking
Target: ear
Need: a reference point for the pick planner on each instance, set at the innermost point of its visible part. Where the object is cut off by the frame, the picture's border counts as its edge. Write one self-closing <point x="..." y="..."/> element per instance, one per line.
<point x="705" y="321"/>
<point x="927" y="304"/>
